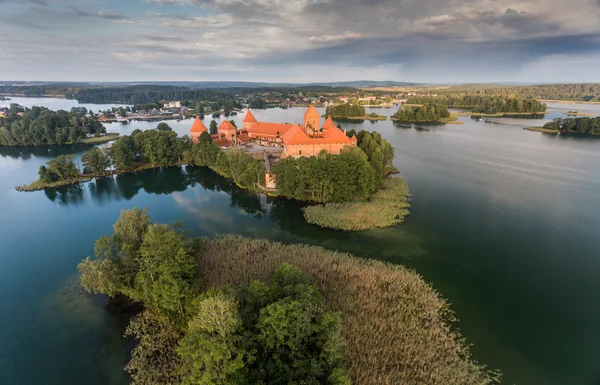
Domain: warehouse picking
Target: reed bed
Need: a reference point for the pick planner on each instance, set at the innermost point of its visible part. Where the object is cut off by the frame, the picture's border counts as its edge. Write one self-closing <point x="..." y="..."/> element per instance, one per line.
<point x="398" y="328"/>
<point x="388" y="207"/>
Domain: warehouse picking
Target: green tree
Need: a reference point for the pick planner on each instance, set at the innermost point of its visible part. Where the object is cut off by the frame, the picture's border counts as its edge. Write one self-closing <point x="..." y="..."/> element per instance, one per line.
<point x="214" y="129"/>
<point x="166" y="270"/>
<point x="63" y="167"/>
<point x="122" y="154"/>
<point x="95" y="161"/>
<point x="210" y="350"/>
<point x="154" y="360"/>
<point x="163" y="127"/>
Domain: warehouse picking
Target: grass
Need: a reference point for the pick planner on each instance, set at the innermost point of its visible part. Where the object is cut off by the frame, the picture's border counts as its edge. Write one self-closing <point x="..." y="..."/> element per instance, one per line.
<point x="567" y="101"/>
<point x="453" y="118"/>
<point x="577" y="113"/>
<point x="367" y="117"/>
<point x="548" y="131"/>
<point x="498" y="114"/>
<point x="101" y="139"/>
<point x="398" y="328"/>
<point x="541" y="129"/>
<point x="388" y="207"/>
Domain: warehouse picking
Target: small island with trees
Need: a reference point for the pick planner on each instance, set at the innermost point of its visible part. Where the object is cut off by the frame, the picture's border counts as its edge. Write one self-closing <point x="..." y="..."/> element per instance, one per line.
<point x="233" y="310"/>
<point x="582" y="126"/>
<point x="351" y="112"/>
<point x="427" y="113"/>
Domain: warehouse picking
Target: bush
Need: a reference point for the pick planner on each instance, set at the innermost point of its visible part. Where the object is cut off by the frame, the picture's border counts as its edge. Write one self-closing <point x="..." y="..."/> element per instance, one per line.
<point x="388" y="207"/>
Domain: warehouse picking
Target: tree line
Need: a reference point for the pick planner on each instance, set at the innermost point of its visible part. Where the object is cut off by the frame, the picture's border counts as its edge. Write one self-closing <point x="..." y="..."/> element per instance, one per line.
<point x="428" y="113"/>
<point x="587" y="92"/>
<point x="41" y="126"/>
<point x="355" y="174"/>
<point x="585" y="125"/>
<point x="483" y="103"/>
<point x="158" y="147"/>
<point x="277" y="333"/>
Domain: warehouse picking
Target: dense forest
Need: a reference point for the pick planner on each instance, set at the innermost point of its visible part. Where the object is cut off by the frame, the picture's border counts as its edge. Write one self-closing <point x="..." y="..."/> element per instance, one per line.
<point x="40" y="126"/>
<point x="235" y="311"/>
<point x="427" y="113"/>
<point x="576" y="125"/>
<point x="149" y="93"/>
<point x="346" y="110"/>
<point x="482" y="103"/>
<point x="587" y="92"/>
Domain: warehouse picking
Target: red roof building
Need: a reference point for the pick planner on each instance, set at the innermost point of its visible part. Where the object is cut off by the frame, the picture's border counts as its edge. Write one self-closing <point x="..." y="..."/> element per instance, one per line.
<point x="297" y="140"/>
<point x="197" y="129"/>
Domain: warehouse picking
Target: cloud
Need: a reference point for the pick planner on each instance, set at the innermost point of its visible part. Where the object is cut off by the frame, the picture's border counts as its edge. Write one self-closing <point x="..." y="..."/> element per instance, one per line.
<point x="329" y="38"/>
<point x="108" y="15"/>
<point x="412" y="40"/>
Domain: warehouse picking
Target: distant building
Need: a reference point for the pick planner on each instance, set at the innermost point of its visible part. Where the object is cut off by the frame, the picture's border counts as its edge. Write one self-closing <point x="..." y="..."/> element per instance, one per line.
<point x="173" y="104"/>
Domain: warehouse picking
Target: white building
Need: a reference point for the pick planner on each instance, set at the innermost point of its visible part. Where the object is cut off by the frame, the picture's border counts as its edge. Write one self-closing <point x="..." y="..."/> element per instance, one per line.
<point x="173" y="105"/>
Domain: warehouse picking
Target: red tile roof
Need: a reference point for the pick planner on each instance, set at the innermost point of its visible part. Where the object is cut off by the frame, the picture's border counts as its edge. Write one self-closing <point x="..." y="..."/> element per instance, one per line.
<point x="249" y="118"/>
<point x="198" y="126"/>
<point x="226" y="125"/>
<point x="312" y="111"/>
<point x="328" y="123"/>
<point x="270" y="129"/>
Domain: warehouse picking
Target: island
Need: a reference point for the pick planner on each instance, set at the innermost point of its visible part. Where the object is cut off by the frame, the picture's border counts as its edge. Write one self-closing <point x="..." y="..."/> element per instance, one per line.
<point x="351" y="111"/>
<point x="343" y="177"/>
<point x="582" y="126"/>
<point x="428" y="113"/>
<point x="483" y="105"/>
<point x="39" y="126"/>
<point x="235" y="310"/>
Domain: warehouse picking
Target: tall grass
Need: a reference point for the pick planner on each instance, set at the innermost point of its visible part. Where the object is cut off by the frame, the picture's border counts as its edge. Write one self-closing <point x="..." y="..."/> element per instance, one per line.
<point x="397" y="327"/>
<point x="388" y="207"/>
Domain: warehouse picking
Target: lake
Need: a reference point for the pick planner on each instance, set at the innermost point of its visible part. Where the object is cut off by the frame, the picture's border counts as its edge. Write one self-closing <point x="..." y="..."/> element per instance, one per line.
<point x="504" y="225"/>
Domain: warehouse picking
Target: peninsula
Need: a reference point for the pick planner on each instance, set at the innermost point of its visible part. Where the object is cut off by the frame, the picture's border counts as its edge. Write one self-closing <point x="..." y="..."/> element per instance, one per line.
<point x="345" y="177"/>
<point x="582" y="126"/>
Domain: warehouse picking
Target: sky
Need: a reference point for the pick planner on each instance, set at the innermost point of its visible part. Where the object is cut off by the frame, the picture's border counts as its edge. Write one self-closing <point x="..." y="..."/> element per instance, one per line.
<point x="432" y="41"/>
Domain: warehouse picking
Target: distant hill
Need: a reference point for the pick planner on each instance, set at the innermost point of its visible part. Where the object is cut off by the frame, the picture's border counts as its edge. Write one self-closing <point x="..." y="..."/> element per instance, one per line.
<point x="227" y="84"/>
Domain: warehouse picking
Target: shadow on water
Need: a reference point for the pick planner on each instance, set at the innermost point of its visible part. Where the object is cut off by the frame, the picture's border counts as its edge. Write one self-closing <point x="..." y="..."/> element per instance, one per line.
<point x="420" y="127"/>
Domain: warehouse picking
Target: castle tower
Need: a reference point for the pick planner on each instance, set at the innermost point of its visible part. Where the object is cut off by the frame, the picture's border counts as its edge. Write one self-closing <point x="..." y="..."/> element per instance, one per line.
<point x="197" y="129"/>
<point x="249" y="121"/>
<point x="312" y="121"/>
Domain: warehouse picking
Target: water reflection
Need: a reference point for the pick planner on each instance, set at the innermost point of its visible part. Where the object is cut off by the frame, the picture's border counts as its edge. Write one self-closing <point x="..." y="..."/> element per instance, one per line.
<point x="28" y="152"/>
<point x="161" y="181"/>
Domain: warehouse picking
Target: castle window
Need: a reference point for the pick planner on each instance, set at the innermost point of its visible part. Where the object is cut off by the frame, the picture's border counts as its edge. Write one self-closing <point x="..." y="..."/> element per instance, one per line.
<point x="300" y="152"/>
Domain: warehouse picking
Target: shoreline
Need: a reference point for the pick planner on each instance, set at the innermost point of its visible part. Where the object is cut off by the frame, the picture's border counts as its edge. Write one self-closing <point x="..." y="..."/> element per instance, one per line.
<point x="548" y="131"/>
<point x="562" y="101"/>
<point x="108" y="137"/>
<point x="39" y="186"/>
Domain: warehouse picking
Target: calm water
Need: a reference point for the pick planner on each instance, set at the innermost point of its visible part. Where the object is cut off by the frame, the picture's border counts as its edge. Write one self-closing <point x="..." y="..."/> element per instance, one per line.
<point x="504" y="225"/>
